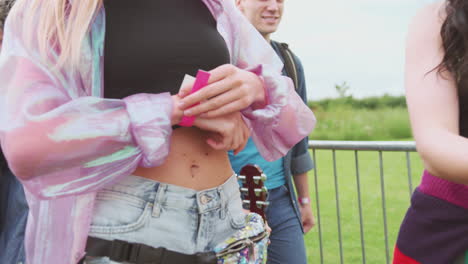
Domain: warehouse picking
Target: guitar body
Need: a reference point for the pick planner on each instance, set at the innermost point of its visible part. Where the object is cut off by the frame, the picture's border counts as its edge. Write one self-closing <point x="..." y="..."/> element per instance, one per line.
<point x="253" y="188"/>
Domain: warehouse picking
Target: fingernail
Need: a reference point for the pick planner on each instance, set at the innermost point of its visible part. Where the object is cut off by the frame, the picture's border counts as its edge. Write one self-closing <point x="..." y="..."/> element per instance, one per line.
<point x="188" y="113"/>
<point x="181" y="104"/>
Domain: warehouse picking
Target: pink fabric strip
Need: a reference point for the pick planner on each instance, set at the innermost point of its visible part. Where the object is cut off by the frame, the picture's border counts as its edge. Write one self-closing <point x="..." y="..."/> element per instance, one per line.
<point x="449" y="191"/>
<point x="200" y="82"/>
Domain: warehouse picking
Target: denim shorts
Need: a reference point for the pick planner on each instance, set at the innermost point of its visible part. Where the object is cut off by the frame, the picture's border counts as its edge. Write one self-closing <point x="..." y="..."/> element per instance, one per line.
<point x="139" y="210"/>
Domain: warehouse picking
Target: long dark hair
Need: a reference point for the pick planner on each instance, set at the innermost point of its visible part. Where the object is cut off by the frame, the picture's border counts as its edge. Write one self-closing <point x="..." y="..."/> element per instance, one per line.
<point x="454" y="35"/>
<point x="5" y="6"/>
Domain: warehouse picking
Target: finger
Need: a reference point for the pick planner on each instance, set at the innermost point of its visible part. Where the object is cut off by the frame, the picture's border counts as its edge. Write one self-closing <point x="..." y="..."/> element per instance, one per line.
<point x="237" y="143"/>
<point x="240" y="148"/>
<point x="222" y="72"/>
<point x="205" y="124"/>
<point x="220" y="143"/>
<point x="243" y="142"/>
<point x="215" y="144"/>
<point x="219" y="102"/>
<point x="215" y="140"/>
<point x="226" y="109"/>
<point x="207" y="92"/>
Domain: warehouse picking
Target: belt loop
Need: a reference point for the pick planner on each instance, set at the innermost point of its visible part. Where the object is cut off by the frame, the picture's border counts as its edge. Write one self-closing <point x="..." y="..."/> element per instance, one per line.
<point x="158" y="200"/>
<point x="223" y="203"/>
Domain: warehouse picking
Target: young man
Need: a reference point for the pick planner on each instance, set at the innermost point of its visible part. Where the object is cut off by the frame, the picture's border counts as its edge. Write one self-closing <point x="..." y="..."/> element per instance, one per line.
<point x="287" y="219"/>
<point x="13" y="206"/>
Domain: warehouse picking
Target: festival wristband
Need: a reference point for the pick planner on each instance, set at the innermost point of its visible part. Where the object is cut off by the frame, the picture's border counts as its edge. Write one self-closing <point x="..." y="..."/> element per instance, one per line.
<point x="200" y="82"/>
<point x="304" y="201"/>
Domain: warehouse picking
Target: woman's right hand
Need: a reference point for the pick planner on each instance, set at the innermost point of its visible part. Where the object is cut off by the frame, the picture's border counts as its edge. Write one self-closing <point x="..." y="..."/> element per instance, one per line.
<point x="228" y="132"/>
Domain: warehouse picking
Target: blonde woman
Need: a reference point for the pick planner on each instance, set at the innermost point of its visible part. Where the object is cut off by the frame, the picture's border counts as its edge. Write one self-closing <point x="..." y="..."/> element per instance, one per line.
<point x="89" y="97"/>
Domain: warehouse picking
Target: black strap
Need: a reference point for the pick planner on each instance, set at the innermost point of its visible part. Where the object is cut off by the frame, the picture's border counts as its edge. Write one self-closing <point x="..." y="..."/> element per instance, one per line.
<point x="289" y="63"/>
<point x="122" y="251"/>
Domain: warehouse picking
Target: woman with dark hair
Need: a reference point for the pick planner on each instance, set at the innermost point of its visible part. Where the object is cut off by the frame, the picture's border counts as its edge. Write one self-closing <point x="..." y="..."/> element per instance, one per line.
<point x="435" y="228"/>
<point x="91" y="116"/>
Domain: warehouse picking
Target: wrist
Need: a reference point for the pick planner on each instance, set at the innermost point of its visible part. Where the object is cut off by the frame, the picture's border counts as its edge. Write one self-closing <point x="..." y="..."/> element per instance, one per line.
<point x="260" y="100"/>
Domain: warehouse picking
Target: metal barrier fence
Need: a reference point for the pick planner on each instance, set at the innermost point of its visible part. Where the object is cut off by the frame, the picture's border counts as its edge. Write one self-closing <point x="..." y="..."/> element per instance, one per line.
<point x="358" y="146"/>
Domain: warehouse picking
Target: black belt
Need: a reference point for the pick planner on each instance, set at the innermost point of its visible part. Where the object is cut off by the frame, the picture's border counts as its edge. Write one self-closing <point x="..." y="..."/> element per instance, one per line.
<point x="122" y="251"/>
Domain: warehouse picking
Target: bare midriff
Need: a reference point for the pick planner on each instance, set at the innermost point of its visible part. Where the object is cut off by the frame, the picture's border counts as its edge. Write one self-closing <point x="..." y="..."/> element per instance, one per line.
<point x="191" y="162"/>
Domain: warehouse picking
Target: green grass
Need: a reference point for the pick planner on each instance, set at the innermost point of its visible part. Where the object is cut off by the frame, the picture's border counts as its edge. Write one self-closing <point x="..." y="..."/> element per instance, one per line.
<point x="347" y="123"/>
<point x="397" y="194"/>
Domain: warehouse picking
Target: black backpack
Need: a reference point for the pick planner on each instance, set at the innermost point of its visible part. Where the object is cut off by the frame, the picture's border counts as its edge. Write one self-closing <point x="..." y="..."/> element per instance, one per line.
<point x="289" y="63"/>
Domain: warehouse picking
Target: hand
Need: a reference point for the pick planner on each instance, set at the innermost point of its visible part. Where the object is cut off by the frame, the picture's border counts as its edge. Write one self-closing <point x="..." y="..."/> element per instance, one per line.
<point x="228" y="132"/>
<point x="229" y="90"/>
<point x="308" y="219"/>
<point x="177" y="113"/>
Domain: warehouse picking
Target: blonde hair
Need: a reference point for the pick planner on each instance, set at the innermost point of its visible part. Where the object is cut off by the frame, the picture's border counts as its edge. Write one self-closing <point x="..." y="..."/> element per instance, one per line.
<point x="60" y="25"/>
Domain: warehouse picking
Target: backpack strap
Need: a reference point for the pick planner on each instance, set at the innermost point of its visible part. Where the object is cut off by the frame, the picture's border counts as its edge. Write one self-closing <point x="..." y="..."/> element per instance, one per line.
<point x="289" y="63"/>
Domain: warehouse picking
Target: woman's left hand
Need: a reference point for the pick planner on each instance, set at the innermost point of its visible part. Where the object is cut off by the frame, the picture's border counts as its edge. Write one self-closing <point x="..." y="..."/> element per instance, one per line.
<point x="228" y="132"/>
<point x="229" y="90"/>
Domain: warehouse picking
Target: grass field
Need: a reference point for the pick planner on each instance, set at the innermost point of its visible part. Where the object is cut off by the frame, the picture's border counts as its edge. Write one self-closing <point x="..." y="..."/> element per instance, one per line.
<point x="347" y="123"/>
<point x="397" y="194"/>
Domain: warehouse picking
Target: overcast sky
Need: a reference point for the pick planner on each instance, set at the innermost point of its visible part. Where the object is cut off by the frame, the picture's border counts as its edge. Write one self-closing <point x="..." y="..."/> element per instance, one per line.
<point x="361" y="42"/>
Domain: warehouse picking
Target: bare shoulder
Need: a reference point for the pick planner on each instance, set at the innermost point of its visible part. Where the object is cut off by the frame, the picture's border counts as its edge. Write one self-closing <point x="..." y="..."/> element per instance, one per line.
<point x="428" y="21"/>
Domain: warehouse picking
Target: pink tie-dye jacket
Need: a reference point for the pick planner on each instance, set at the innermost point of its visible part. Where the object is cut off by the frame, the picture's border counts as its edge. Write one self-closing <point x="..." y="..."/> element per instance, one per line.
<point x="65" y="142"/>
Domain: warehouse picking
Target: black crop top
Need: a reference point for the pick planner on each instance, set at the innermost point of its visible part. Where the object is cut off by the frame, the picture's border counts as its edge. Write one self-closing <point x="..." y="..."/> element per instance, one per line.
<point x="463" y="106"/>
<point x="151" y="44"/>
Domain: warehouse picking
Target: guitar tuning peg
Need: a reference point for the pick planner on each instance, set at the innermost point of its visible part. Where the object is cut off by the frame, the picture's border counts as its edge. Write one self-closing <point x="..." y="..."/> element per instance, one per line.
<point x="261" y="178"/>
<point x="259" y="191"/>
<point x="261" y="204"/>
<point x="245" y="201"/>
<point x="241" y="178"/>
<point x="244" y="190"/>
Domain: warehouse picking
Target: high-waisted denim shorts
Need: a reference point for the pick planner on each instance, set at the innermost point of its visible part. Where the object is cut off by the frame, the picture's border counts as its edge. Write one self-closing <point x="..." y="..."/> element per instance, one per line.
<point x="144" y="211"/>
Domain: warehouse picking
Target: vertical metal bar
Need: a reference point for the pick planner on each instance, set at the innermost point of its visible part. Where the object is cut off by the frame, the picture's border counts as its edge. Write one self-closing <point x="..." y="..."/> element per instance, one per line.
<point x="384" y="207"/>
<point x="361" y="222"/>
<point x="318" y="206"/>
<point x="337" y="197"/>
<point x="408" y="166"/>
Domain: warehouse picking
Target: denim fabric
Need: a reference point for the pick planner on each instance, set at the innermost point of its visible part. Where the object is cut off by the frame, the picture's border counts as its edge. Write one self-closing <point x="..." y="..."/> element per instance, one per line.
<point x="139" y="210"/>
<point x="287" y="241"/>
<point x="13" y="216"/>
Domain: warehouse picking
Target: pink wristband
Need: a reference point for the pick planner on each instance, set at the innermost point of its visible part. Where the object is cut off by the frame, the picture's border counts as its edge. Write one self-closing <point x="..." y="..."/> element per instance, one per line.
<point x="200" y="82"/>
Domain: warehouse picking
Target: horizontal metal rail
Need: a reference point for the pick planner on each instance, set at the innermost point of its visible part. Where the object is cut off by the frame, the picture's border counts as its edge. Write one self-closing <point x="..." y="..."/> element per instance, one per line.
<point x="363" y="145"/>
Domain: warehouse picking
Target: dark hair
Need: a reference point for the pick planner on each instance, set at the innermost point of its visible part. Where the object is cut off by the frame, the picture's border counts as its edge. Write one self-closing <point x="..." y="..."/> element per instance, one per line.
<point x="454" y="33"/>
<point x="5" y="6"/>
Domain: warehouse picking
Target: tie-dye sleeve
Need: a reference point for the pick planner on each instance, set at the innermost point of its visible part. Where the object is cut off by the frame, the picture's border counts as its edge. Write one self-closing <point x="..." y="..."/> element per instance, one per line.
<point x="285" y="120"/>
<point x="59" y="141"/>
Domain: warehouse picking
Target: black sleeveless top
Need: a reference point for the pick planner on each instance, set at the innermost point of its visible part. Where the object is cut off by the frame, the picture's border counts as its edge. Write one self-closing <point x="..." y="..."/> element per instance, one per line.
<point x="463" y="106"/>
<point x="151" y="44"/>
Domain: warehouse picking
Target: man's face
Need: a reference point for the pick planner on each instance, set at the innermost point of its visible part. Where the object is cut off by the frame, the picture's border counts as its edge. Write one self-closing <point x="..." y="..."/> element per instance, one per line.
<point x="265" y="15"/>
